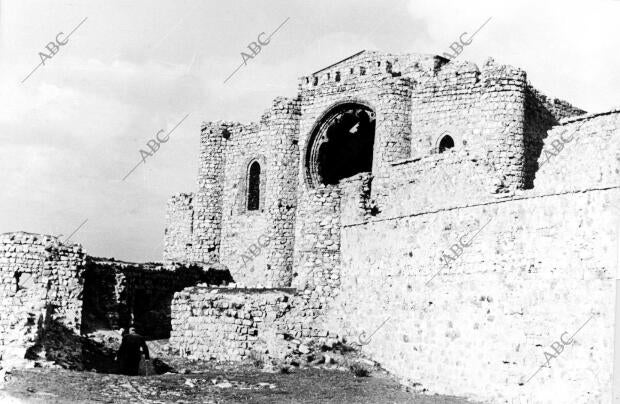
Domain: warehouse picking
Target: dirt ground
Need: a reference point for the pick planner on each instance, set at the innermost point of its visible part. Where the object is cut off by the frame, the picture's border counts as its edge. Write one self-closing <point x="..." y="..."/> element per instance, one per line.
<point x="175" y="379"/>
<point x="220" y="384"/>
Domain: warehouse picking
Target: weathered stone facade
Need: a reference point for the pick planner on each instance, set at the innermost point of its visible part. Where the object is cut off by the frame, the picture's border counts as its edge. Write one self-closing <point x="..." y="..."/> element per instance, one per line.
<point x="223" y="324"/>
<point x="41" y="282"/>
<point x="246" y="323"/>
<point x="493" y="115"/>
<point x="178" y="237"/>
<point x="453" y="146"/>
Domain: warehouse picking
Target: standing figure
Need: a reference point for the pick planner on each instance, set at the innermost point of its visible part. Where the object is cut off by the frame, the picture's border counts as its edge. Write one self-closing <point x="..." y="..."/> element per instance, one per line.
<point x="129" y="353"/>
<point x="17" y="275"/>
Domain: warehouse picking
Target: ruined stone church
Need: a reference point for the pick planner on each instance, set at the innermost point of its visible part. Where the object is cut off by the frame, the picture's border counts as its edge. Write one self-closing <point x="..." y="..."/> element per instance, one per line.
<point x="351" y="193"/>
<point x="365" y="139"/>
<point x="447" y="220"/>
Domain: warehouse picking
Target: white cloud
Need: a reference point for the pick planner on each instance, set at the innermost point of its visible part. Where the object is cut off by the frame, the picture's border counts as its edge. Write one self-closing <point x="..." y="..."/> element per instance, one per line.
<point x="566" y="47"/>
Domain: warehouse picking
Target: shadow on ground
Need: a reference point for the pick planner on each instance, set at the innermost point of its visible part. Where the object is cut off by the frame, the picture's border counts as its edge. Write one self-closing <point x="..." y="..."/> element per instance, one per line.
<point x="57" y="344"/>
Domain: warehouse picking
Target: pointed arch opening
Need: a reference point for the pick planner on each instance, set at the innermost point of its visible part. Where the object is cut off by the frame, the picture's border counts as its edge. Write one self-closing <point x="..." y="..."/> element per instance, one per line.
<point x="341" y="144"/>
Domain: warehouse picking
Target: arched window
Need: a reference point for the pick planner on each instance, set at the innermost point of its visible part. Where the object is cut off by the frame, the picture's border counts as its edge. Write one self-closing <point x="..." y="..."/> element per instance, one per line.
<point x="446" y="143"/>
<point x="254" y="186"/>
<point x="341" y="145"/>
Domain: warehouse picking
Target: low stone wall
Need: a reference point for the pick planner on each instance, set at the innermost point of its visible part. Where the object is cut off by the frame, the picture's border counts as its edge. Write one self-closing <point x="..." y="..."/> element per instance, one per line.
<point x="117" y="294"/>
<point x="227" y="324"/>
<point x="233" y="324"/>
<point x="41" y="282"/>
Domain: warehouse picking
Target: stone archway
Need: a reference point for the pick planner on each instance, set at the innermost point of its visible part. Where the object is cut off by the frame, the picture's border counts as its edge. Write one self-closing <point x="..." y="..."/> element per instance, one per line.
<point x="341" y="144"/>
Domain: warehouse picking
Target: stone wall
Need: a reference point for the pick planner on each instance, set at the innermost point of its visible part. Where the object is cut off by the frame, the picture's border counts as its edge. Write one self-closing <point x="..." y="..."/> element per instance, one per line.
<point x="366" y="64"/>
<point x="581" y="153"/>
<point x="273" y="143"/>
<point x="493" y="113"/>
<point x="464" y="320"/>
<point x="535" y="266"/>
<point x="281" y="190"/>
<point x="559" y="109"/>
<point x="178" y="235"/>
<point x="208" y="208"/>
<point x="435" y="182"/>
<point x="241" y="227"/>
<point x="233" y="324"/>
<point x="532" y="273"/>
<point x="539" y="118"/>
<point x="356" y="205"/>
<point x="41" y="281"/>
<point x="227" y="324"/>
<point x="317" y="237"/>
<point x="117" y="294"/>
<point x="478" y="325"/>
<point x="367" y="80"/>
<point x="216" y="225"/>
<point x="497" y="128"/>
<point x="497" y="120"/>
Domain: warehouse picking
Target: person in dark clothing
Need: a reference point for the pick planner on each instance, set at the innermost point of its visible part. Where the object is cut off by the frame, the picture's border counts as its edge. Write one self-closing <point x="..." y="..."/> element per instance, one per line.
<point x="129" y="353"/>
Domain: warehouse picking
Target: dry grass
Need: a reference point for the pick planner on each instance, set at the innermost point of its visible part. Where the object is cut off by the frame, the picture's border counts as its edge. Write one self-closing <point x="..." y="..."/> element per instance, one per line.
<point x="359" y="370"/>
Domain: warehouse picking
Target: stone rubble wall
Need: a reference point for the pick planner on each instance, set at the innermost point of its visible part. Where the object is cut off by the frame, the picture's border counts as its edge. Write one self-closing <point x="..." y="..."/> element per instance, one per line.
<point x="242" y="228"/>
<point x="317" y="238"/>
<point x="393" y="125"/>
<point x="227" y="324"/>
<point x="355" y="204"/>
<point x="49" y="283"/>
<point x="281" y="190"/>
<point x="435" y="182"/>
<point x="589" y="159"/>
<point x="559" y="109"/>
<point x="237" y="324"/>
<point x="387" y="93"/>
<point x="118" y="294"/>
<point x="493" y="113"/>
<point x="372" y="63"/>
<point x="208" y="207"/>
<point x="179" y="232"/>
<point x="484" y="110"/>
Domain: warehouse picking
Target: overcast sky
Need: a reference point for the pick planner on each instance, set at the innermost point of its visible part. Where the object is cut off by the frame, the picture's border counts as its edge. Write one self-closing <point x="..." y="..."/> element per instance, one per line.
<point x="74" y="128"/>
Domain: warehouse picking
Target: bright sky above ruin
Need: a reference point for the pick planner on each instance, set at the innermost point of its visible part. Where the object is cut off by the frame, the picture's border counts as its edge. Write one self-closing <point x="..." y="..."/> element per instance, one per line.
<point x="73" y="130"/>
